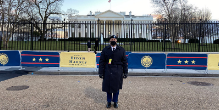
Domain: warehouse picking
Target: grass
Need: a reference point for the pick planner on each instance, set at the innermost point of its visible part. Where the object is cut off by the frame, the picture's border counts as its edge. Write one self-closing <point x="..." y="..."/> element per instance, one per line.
<point x="137" y="46"/>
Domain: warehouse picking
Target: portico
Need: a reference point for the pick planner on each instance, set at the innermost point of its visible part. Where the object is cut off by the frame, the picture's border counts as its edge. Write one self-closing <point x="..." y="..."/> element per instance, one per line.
<point x="105" y="24"/>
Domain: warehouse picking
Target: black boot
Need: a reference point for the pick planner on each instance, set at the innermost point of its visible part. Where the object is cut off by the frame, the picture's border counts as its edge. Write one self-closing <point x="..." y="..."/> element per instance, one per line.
<point x="108" y="105"/>
<point x="116" y="105"/>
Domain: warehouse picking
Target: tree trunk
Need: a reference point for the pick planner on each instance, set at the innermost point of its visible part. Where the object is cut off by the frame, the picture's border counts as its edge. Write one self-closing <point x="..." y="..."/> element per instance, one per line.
<point x="4" y="39"/>
<point x="43" y="32"/>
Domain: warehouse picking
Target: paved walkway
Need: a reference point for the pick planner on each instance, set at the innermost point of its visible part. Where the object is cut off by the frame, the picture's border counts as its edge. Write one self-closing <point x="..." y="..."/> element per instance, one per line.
<point x="47" y="92"/>
<point x="94" y="71"/>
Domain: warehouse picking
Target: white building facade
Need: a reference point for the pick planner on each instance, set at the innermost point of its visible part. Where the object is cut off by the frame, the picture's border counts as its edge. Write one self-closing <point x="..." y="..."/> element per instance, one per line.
<point x="105" y="24"/>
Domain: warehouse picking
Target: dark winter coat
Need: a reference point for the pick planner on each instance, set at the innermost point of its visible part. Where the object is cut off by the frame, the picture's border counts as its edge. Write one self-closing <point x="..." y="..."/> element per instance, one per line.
<point x="88" y="44"/>
<point x="113" y="73"/>
<point x="96" y="43"/>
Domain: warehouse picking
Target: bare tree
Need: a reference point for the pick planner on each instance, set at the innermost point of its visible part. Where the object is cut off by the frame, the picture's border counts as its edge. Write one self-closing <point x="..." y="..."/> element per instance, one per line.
<point x="169" y="9"/>
<point x="12" y="11"/>
<point x="71" y="13"/>
<point x="40" y="11"/>
<point x="179" y="11"/>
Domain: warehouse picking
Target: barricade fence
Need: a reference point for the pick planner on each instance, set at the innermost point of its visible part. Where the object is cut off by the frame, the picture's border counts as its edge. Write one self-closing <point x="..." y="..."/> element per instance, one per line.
<point x="132" y="35"/>
<point x="193" y="61"/>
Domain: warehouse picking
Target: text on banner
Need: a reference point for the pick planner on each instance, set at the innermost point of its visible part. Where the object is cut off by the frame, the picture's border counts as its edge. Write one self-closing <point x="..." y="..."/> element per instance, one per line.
<point x="78" y="59"/>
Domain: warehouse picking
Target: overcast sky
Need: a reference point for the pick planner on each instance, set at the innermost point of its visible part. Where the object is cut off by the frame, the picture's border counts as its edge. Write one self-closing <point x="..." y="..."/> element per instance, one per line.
<point x="138" y="7"/>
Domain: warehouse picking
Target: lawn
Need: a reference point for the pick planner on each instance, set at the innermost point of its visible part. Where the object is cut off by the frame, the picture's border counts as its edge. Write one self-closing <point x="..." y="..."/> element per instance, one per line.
<point x="136" y="46"/>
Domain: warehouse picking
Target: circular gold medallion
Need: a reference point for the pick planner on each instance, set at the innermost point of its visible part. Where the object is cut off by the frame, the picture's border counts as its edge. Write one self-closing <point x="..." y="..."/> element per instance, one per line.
<point x="3" y="59"/>
<point x="146" y="61"/>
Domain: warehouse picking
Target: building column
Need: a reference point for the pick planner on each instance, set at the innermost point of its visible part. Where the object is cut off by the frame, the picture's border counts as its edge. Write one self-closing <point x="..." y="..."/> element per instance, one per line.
<point x="122" y="30"/>
<point x="94" y="29"/>
<point x="111" y="28"/>
<point x="75" y="29"/>
<point x="88" y="29"/>
<point x="149" y="32"/>
<point x="81" y="28"/>
<point x="142" y="30"/>
<point x="137" y="26"/>
<point x="69" y="33"/>
<point x="78" y="30"/>
<point x="125" y="27"/>
<point x="84" y="30"/>
<point x="97" y="29"/>
<point x="145" y="30"/>
<point x="104" y="29"/>
<point x="134" y="29"/>
<point x="114" y="28"/>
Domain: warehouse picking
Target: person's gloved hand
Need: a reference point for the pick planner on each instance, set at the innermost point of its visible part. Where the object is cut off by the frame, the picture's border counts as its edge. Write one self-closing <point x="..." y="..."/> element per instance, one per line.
<point x="100" y="75"/>
<point x="124" y="75"/>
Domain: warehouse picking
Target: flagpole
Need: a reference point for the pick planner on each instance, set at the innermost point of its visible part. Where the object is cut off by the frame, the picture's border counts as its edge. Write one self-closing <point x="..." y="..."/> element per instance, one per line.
<point x="110" y="5"/>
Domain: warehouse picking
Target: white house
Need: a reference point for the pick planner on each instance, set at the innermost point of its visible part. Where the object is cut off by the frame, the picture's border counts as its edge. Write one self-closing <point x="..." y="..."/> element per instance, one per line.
<point x="110" y="23"/>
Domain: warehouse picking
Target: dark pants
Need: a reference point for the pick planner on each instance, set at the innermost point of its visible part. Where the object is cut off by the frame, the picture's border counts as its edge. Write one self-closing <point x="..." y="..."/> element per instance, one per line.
<point x="115" y="97"/>
<point x="95" y="49"/>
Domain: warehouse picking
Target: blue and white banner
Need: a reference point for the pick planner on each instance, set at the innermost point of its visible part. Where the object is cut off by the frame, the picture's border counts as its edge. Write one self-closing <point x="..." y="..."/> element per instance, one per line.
<point x="146" y="61"/>
<point x="40" y="59"/>
<point x="186" y="61"/>
<point x="10" y="58"/>
<point x="98" y="59"/>
<point x="99" y="54"/>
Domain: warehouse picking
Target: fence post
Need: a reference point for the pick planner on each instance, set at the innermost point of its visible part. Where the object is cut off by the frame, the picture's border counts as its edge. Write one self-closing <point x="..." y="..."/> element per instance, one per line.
<point x="31" y="33"/>
<point x="1" y="2"/>
<point x="199" y="37"/>
<point x="64" y="34"/>
<point x="131" y="37"/>
<point x="165" y="34"/>
<point x="2" y="34"/>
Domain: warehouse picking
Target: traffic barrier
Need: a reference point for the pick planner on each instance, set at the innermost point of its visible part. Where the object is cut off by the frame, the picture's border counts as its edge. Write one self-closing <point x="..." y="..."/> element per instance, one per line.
<point x="213" y="62"/>
<point x="98" y="59"/>
<point x="146" y="61"/>
<point x="186" y="61"/>
<point x="78" y="59"/>
<point x="40" y="59"/>
<point x="10" y="58"/>
<point x="99" y="54"/>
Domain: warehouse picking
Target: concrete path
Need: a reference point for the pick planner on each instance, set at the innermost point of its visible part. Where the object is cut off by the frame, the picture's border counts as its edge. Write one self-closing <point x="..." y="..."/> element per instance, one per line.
<point x="47" y="92"/>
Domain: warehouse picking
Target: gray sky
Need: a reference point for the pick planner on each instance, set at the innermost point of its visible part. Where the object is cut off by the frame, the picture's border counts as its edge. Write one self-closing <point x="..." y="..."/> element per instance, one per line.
<point x="138" y="7"/>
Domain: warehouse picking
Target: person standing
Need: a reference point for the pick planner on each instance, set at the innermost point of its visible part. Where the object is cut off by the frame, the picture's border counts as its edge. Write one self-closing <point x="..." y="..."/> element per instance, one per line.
<point x="96" y="46"/>
<point x="89" y="45"/>
<point x="113" y="68"/>
<point x="117" y="35"/>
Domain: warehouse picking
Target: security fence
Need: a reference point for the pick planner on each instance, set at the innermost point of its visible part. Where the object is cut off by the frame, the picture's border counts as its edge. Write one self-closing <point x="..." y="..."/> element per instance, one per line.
<point x="133" y="36"/>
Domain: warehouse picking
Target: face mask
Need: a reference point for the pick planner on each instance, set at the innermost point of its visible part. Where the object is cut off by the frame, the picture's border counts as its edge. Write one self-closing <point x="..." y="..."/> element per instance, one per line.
<point x="113" y="43"/>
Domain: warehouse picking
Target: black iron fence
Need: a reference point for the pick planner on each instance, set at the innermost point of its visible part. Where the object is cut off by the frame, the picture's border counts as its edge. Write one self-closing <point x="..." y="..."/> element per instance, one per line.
<point x="132" y="35"/>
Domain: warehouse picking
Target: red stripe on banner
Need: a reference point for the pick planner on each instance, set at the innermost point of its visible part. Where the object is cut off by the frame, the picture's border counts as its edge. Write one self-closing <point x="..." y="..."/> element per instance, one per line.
<point x="97" y="56"/>
<point x="39" y="55"/>
<point x="127" y="55"/>
<point x="188" y="65"/>
<point x="36" y="63"/>
<point x="187" y="57"/>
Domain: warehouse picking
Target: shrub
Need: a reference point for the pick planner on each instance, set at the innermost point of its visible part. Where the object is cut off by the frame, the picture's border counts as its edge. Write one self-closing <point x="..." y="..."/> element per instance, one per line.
<point x="216" y="41"/>
<point x="166" y="41"/>
<point x="193" y="41"/>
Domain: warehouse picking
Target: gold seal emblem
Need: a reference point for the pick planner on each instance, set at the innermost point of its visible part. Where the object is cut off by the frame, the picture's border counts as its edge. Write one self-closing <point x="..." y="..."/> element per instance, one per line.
<point x="146" y="61"/>
<point x="3" y="59"/>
